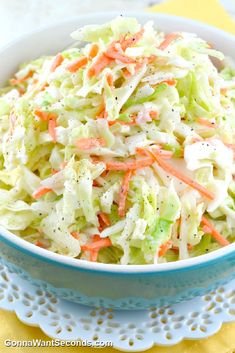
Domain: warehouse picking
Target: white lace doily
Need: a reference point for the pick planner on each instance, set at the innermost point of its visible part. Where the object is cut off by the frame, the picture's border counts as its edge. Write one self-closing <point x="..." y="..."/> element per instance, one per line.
<point x="128" y="330"/>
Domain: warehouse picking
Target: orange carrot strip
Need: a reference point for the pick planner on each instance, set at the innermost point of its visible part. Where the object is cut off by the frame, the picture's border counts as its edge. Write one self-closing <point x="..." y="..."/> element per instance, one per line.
<point x="105" y="218"/>
<point x="171" y="170"/>
<point x="96" y="184"/>
<point x="124" y="192"/>
<point x="176" y="248"/>
<point x="153" y="114"/>
<point x="151" y="58"/>
<point x="44" y="85"/>
<point x="45" y="116"/>
<point x="77" y="64"/>
<point x="215" y="234"/>
<point x="56" y="62"/>
<point x="75" y="235"/>
<point x="94" y="255"/>
<point x="129" y="123"/>
<point x="163" y="248"/>
<point x="97" y="245"/>
<point x="131" y="165"/>
<point x="170" y="82"/>
<point x="109" y="78"/>
<point x="93" y="51"/>
<point x="206" y="123"/>
<point x="102" y="115"/>
<point x="125" y="43"/>
<point x="16" y="81"/>
<point x="54" y="171"/>
<point x="163" y="153"/>
<point x="90" y="142"/>
<point x="206" y="229"/>
<point x="168" y="39"/>
<point x="21" y="91"/>
<point x="41" y="244"/>
<point x="101" y="62"/>
<point x="51" y="129"/>
<point x="223" y="91"/>
<point x="126" y="72"/>
<point x="112" y="53"/>
<point x="40" y="192"/>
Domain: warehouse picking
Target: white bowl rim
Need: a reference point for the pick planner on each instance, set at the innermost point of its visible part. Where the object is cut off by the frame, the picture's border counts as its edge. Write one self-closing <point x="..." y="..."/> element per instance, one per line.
<point x="57" y="259"/>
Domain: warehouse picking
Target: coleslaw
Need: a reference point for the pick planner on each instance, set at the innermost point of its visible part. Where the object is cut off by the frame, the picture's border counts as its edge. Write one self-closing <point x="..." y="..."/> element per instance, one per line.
<point x="121" y="149"/>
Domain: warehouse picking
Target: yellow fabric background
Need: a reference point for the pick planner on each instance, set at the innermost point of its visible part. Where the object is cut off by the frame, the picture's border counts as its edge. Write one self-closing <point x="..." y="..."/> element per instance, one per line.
<point x="211" y="12"/>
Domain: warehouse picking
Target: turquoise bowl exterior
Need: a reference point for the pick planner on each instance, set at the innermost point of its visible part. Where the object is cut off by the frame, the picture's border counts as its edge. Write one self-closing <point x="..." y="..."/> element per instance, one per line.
<point x="133" y="289"/>
<point x="112" y="286"/>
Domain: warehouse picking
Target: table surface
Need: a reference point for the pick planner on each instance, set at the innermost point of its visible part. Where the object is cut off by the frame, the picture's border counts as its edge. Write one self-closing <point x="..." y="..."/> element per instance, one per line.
<point x="20" y="16"/>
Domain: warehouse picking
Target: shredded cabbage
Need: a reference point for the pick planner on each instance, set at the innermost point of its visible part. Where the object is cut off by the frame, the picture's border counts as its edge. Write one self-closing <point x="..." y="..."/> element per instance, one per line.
<point x="117" y="151"/>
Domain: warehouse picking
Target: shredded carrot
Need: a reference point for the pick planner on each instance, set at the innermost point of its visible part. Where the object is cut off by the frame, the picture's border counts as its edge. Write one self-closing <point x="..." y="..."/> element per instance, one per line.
<point x="113" y="53"/>
<point x="104" y="174"/>
<point x="176" y="248"/>
<point x="51" y="129"/>
<point x="130" y="165"/>
<point x="102" y="114"/>
<point x="153" y="114"/>
<point x="97" y="244"/>
<point x="109" y="78"/>
<point x="128" y="123"/>
<point x="206" y="229"/>
<point x="168" y="39"/>
<point x="126" y="72"/>
<point x="128" y="42"/>
<point x="171" y="170"/>
<point x="223" y="91"/>
<point x="206" y="122"/>
<point x="45" y="116"/>
<point x="124" y="192"/>
<point x="151" y="58"/>
<point x="170" y="82"/>
<point x="90" y="142"/>
<point x="41" y="244"/>
<point x="16" y="81"/>
<point x="41" y="192"/>
<point x="75" y="235"/>
<point x="101" y="62"/>
<point x="54" y="171"/>
<point x="56" y="62"/>
<point x="105" y="218"/>
<point x="43" y="87"/>
<point x="93" y="51"/>
<point x="77" y="64"/>
<point x="21" y="91"/>
<point x="163" y="153"/>
<point x="96" y="184"/>
<point x="163" y="248"/>
<point x="215" y="234"/>
<point x="94" y="255"/>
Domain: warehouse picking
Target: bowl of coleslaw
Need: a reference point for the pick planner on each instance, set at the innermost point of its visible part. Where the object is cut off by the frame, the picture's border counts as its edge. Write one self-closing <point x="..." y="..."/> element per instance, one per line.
<point x="117" y="159"/>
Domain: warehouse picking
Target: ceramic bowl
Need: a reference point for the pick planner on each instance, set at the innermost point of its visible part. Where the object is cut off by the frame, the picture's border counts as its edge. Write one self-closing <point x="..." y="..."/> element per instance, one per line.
<point x="96" y="284"/>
